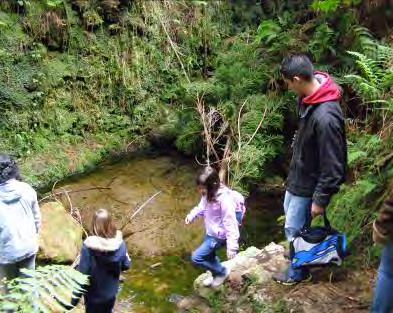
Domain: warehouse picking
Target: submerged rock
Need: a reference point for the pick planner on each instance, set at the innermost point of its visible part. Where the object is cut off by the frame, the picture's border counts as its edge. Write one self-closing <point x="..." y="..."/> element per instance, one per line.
<point x="60" y="235"/>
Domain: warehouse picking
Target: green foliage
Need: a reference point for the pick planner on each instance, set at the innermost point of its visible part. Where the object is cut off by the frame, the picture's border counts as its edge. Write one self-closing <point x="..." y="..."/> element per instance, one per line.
<point x="354" y="204"/>
<point x="376" y="75"/>
<point x="216" y="300"/>
<point x="47" y="289"/>
<point x="277" y="307"/>
<point x="267" y="31"/>
<point x="331" y="6"/>
<point x="322" y="42"/>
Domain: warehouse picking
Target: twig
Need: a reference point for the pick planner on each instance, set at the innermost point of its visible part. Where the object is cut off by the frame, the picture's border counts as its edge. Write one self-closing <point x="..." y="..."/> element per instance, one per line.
<point x="76" y="261"/>
<point x="129" y="219"/>
<point x="68" y="199"/>
<point x="126" y="235"/>
<point x="72" y="191"/>
<point x="174" y="49"/>
<point x="239" y="132"/>
<point x="340" y="293"/>
<point x="208" y="137"/>
<point x="258" y="127"/>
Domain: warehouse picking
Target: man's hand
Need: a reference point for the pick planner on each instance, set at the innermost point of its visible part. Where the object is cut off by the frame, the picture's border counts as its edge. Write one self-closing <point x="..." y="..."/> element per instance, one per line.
<point x="231" y="254"/>
<point x="187" y="220"/>
<point x="316" y="210"/>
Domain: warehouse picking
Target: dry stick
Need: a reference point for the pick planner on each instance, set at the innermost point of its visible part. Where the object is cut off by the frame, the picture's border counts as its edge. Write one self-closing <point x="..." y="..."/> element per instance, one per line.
<point x="126" y="235"/>
<point x="258" y="127"/>
<point x="68" y="199"/>
<point x="340" y="293"/>
<point x="208" y="137"/>
<point x="139" y="209"/>
<point x="174" y="49"/>
<point x="239" y="133"/>
<point x="75" y="263"/>
<point x="72" y="191"/>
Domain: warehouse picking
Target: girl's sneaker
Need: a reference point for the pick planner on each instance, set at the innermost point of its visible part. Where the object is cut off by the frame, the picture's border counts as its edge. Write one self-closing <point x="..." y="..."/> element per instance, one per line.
<point x="219" y="280"/>
<point x="207" y="282"/>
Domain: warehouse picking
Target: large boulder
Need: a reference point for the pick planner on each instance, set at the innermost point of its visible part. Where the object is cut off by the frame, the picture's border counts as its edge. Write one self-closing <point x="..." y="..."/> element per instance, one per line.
<point x="60" y="236"/>
<point x="256" y="265"/>
<point x="248" y="288"/>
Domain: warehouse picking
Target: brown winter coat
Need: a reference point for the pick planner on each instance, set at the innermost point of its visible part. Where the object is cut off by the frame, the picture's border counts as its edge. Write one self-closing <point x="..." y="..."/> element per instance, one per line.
<point x="383" y="225"/>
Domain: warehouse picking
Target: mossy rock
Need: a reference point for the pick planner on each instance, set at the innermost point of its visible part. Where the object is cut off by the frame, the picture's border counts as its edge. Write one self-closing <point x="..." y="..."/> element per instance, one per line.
<point x="60" y="236"/>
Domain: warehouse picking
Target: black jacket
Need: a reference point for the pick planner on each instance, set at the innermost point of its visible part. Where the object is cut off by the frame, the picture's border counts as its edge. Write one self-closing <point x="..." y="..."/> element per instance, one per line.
<point x="103" y="260"/>
<point x="319" y="159"/>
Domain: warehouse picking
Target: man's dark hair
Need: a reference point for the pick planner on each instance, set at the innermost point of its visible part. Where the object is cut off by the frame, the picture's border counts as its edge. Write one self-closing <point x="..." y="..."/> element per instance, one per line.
<point x="297" y="65"/>
<point x="8" y="168"/>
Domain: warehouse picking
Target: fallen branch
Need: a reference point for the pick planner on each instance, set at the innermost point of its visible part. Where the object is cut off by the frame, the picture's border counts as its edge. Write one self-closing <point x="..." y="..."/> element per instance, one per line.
<point x="126" y="235"/>
<point x="129" y="219"/>
<point x="258" y="127"/>
<point x="71" y="191"/>
<point x="341" y="293"/>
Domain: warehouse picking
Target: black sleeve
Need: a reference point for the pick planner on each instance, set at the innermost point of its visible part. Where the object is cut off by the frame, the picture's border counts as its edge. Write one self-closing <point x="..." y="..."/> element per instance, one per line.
<point x="332" y="148"/>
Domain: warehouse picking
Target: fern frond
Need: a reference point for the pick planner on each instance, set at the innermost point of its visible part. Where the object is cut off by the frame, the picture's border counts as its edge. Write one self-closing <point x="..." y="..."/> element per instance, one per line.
<point x="47" y="289"/>
<point x="364" y="40"/>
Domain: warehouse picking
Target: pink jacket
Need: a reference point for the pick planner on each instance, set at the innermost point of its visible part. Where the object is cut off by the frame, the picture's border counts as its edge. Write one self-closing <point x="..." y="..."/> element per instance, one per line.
<point x="220" y="217"/>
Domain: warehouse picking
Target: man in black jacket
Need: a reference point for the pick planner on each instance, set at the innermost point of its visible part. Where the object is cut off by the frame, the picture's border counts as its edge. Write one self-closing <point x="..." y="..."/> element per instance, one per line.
<point x="319" y="157"/>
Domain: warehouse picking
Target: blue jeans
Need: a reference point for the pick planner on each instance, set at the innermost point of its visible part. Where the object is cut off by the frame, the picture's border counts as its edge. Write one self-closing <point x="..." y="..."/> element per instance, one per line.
<point x="239" y="217"/>
<point x="205" y="256"/>
<point x="297" y="214"/>
<point x="383" y="297"/>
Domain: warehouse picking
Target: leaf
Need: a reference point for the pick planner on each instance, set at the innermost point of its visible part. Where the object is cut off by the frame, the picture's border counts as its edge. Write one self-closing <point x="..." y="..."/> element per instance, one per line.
<point x="49" y="288"/>
<point x="267" y="31"/>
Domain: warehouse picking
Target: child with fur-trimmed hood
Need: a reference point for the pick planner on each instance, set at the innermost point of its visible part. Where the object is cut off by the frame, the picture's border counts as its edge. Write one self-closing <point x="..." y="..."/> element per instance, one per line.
<point x="104" y="256"/>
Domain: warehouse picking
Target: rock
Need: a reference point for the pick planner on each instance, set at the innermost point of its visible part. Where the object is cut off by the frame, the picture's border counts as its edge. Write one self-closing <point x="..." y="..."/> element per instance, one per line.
<point x="60" y="236"/>
<point x="255" y="265"/>
<point x="193" y="303"/>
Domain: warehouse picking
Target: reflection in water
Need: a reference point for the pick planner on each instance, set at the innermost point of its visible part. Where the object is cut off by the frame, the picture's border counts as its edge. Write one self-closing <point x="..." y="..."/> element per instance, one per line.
<point x="160" y="243"/>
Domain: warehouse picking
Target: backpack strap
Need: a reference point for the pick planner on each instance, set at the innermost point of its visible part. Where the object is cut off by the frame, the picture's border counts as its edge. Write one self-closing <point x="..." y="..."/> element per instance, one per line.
<point x="326" y="221"/>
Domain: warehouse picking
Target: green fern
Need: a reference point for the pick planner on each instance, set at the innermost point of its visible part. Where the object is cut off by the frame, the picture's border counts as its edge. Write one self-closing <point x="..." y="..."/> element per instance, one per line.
<point x="47" y="289"/>
<point x="364" y="40"/>
<point x="376" y="75"/>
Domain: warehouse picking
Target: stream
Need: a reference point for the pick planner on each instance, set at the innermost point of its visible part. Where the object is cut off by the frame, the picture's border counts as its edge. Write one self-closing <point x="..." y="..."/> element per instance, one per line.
<point x="160" y="243"/>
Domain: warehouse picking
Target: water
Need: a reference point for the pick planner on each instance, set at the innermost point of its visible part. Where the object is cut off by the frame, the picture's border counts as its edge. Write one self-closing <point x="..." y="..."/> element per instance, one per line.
<point x="160" y="244"/>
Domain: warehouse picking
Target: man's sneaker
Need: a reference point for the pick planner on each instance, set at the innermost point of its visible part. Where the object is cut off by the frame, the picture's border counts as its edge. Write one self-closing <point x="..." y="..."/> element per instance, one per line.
<point x="285" y="279"/>
<point x="207" y="282"/>
<point x="219" y="280"/>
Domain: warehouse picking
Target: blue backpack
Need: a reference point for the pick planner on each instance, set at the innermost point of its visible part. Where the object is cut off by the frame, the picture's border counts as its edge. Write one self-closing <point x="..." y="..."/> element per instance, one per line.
<point x="318" y="246"/>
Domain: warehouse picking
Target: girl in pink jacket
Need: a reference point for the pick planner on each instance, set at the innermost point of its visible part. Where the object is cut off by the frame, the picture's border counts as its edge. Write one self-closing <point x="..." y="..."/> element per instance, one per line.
<point x="218" y="207"/>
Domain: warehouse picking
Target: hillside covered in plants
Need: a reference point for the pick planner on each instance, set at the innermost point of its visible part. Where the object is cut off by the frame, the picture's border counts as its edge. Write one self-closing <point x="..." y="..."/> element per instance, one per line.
<point x="82" y="79"/>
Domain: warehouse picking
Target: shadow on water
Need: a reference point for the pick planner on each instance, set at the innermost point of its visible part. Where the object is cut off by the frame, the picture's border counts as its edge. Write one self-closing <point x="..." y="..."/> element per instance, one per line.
<point x="161" y="244"/>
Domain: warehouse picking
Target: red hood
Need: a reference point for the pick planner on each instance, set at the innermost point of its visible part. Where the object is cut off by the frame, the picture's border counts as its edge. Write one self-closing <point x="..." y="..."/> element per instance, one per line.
<point x="328" y="91"/>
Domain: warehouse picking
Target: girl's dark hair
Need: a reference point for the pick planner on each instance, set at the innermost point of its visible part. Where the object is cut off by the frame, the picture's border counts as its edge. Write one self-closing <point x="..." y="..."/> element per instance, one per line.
<point x="8" y="168"/>
<point x="297" y="65"/>
<point x="208" y="177"/>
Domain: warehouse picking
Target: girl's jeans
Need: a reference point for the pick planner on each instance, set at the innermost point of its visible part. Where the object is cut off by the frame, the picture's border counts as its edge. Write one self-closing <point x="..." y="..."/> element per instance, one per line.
<point x="205" y="256"/>
<point x="383" y="297"/>
<point x="297" y="214"/>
